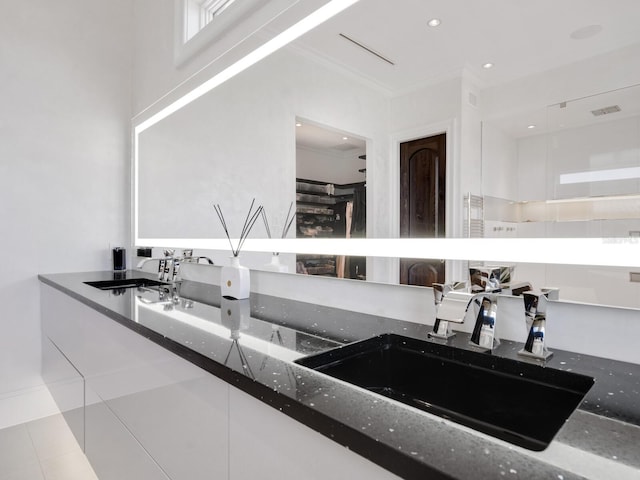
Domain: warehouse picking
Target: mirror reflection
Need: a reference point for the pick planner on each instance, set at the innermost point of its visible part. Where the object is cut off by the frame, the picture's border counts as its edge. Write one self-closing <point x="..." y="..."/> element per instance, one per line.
<point x="240" y="142"/>
<point x="578" y="171"/>
<point x="331" y="196"/>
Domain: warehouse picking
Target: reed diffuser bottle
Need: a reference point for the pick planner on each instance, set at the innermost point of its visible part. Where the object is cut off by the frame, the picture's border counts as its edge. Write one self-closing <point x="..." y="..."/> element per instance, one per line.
<point x="235" y="283"/>
<point x="235" y="280"/>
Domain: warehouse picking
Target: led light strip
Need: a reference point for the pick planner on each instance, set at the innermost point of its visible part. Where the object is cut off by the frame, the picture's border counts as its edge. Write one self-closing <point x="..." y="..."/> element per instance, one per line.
<point x="573" y="251"/>
<point x="614" y="252"/>
<point x="311" y="21"/>
<point x="629" y="173"/>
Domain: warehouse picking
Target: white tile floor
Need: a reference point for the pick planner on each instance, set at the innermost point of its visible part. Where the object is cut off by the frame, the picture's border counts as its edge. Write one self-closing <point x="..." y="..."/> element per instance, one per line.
<point x="43" y="449"/>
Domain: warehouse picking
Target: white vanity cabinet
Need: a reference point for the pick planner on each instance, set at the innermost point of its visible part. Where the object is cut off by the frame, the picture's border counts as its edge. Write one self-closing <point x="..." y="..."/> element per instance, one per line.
<point x="66" y="385"/>
<point x="152" y="415"/>
<point x="149" y="414"/>
<point x="269" y="445"/>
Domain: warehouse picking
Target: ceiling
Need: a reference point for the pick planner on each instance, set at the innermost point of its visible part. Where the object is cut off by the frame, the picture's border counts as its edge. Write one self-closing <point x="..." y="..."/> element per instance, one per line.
<point x="519" y="37"/>
<point x="316" y="137"/>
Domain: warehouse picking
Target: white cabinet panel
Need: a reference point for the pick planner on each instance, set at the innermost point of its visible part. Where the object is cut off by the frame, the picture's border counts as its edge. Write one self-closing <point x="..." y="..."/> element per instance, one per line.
<point x="66" y="386"/>
<point x="183" y="426"/>
<point x="113" y="452"/>
<point x="149" y="413"/>
<point x="61" y="320"/>
<point x="267" y="444"/>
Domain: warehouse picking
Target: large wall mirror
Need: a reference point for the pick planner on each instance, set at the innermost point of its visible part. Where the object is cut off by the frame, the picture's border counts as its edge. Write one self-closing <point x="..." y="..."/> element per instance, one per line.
<point x="386" y="77"/>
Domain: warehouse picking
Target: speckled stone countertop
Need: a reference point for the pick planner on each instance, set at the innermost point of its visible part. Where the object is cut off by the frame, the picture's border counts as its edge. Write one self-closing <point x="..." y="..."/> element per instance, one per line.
<point x="252" y="344"/>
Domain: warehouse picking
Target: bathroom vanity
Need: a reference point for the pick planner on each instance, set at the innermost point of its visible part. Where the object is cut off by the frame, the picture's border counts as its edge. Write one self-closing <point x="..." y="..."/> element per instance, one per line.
<point x="179" y="383"/>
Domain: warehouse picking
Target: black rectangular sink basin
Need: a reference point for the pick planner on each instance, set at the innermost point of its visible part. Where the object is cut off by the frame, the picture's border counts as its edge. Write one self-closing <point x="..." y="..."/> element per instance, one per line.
<point x="521" y="403"/>
<point x="125" y="283"/>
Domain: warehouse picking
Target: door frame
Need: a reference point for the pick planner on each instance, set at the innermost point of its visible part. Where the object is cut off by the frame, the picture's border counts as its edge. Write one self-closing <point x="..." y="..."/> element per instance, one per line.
<point x="453" y="212"/>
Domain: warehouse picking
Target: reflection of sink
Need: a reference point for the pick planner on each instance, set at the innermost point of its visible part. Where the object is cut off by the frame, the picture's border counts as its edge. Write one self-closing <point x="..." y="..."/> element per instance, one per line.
<point x="518" y="402"/>
<point x="125" y="283"/>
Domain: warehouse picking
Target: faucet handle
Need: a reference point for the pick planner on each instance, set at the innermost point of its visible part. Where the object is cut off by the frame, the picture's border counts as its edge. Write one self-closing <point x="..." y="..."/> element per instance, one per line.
<point x="441" y="327"/>
<point x="442" y="289"/>
<point x="453" y="306"/>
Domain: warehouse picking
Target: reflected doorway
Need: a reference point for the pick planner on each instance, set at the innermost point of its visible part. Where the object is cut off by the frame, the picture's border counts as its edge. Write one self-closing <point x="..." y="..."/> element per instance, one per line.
<point x="423" y="173"/>
<point x="331" y="196"/>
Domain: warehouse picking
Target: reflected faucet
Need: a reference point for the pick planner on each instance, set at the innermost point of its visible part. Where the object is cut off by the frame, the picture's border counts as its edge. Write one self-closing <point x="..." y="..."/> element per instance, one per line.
<point x="535" y="309"/>
<point x="485" y="279"/>
<point x="168" y="296"/>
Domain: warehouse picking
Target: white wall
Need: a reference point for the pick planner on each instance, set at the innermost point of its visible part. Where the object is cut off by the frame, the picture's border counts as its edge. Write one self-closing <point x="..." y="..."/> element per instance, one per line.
<point x="237" y="142"/>
<point x="499" y="163"/>
<point x="156" y="73"/>
<point x="65" y="87"/>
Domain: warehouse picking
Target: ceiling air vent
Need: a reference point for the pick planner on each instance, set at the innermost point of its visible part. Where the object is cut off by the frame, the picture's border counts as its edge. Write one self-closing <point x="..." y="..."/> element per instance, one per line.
<point x="367" y="48"/>
<point x="606" y="110"/>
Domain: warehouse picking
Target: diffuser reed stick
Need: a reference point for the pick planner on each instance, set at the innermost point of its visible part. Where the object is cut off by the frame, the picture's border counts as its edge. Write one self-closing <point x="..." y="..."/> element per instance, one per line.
<point x="249" y="221"/>
<point x="288" y="221"/>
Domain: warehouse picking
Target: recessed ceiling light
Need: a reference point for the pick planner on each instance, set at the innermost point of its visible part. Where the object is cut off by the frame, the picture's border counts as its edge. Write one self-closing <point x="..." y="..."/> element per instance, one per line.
<point x="487" y="65"/>
<point x="298" y="124"/>
<point x="434" y="22"/>
<point x="531" y="127"/>
<point x="345" y="138"/>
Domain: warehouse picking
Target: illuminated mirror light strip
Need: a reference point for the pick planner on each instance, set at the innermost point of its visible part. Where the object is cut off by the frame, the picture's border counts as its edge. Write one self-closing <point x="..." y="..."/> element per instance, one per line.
<point x="579" y="251"/>
<point x="613" y="252"/>
<point x="629" y="173"/>
<point x="311" y="21"/>
<point x="607" y="198"/>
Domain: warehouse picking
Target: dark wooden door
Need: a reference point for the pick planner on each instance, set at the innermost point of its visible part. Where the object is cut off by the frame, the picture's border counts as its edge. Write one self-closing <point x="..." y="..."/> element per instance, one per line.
<point x="423" y="174"/>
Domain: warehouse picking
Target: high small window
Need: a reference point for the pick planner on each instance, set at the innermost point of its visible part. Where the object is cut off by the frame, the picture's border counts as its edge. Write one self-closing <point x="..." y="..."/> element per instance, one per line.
<point x="199" y="13"/>
<point x="220" y="24"/>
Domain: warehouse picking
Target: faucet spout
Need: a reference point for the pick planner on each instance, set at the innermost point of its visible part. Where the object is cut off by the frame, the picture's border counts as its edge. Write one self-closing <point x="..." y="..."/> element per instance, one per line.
<point x="484" y="329"/>
<point x="535" y="310"/>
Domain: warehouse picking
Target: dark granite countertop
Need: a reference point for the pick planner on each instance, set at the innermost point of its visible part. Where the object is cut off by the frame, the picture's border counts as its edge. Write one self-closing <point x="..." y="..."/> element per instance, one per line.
<point x="252" y="344"/>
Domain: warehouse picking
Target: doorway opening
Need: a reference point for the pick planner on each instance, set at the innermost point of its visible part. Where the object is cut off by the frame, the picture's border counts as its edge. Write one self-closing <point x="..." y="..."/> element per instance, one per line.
<point x="330" y="196"/>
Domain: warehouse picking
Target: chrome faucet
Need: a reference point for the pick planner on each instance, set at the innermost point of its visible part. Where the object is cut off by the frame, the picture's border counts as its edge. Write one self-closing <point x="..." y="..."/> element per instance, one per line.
<point x="442" y="328"/>
<point x="455" y="305"/>
<point x="165" y="265"/>
<point x="169" y="265"/>
<point x="535" y="310"/>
